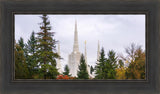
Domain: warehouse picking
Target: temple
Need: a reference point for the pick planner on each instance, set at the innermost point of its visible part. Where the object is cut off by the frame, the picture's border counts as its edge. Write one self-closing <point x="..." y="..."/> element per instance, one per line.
<point x="74" y="57"/>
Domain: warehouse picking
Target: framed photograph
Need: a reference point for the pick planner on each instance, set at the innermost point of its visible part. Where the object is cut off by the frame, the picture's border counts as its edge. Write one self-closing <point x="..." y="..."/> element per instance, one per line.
<point x="81" y="47"/>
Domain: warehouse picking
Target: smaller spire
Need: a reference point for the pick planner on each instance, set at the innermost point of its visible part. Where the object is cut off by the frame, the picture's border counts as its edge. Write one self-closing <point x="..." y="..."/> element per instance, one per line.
<point x="98" y="51"/>
<point x="58" y="60"/>
<point x="85" y="52"/>
<point x="88" y="69"/>
<point x="75" y="25"/>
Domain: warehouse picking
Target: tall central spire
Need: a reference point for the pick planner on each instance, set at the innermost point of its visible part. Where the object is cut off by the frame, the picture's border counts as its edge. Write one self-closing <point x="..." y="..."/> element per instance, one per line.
<point x="74" y="57"/>
<point x="85" y="53"/>
<point x="75" y="46"/>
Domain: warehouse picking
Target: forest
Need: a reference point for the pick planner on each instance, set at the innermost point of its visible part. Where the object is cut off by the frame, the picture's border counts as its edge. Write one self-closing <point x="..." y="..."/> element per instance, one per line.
<point x="36" y="59"/>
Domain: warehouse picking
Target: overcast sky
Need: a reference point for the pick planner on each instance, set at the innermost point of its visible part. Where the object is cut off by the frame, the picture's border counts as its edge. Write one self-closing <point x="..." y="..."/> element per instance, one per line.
<point x="113" y="32"/>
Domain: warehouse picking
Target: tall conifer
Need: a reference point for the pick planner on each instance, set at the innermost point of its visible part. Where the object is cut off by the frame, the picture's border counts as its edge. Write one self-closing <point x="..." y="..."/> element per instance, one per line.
<point x="111" y="65"/>
<point x="82" y="73"/>
<point x="46" y="51"/>
<point x="100" y="66"/>
<point x="31" y="58"/>
<point x="66" y="70"/>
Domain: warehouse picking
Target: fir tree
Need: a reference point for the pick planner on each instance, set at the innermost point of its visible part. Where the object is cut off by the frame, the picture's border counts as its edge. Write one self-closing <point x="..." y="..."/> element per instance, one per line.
<point x="46" y="51"/>
<point x="31" y="58"/>
<point x="100" y="66"/>
<point x="23" y="46"/>
<point x="21" y="43"/>
<point x="91" y="69"/>
<point x="105" y="69"/>
<point x="111" y="65"/>
<point x="31" y="44"/>
<point x="82" y="73"/>
<point x="66" y="70"/>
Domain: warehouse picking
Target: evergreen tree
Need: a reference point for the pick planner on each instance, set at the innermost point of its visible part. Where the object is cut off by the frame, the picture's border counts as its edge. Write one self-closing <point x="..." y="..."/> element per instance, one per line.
<point x="31" y="44"/>
<point x="105" y="69"/>
<point x="82" y="73"/>
<point x="66" y="70"/>
<point x="46" y="51"/>
<point x="21" y="70"/>
<point x="21" y="43"/>
<point x="100" y="66"/>
<point x="31" y="57"/>
<point x="91" y="69"/>
<point x="111" y="65"/>
<point x="23" y="46"/>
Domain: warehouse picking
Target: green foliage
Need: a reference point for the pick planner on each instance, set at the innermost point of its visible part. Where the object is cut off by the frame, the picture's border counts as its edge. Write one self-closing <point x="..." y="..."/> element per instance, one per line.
<point x="82" y="73"/>
<point x="31" y="44"/>
<point x="91" y="69"/>
<point x="111" y="65"/>
<point x="121" y="63"/>
<point x="48" y="71"/>
<point x="21" y="43"/>
<point x="31" y="57"/>
<point x="105" y="69"/>
<point x="23" y="46"/>
<point x="66" y="70"/>
<point x="21" y="70"/>
<point x="100" y="66"/>
<point x="46" y="49"/>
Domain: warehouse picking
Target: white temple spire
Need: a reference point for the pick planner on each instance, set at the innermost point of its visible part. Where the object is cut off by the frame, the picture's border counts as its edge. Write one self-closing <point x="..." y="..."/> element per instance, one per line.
<point x="74" y="57"/>
<point x="58" y="60"/>
<point x="58" y="49"/>
<point x="85" y="53"/>
<point x="75" y="46"/>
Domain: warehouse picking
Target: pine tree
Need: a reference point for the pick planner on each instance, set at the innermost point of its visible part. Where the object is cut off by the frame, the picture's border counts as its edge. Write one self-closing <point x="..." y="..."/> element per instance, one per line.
<point x="31" y="57"/>
<point x="91" y="69"/>
<point x="23" y="46"/>
<point x="21" y="42"/>
<point x="100" y="66"/>
<point x="66" y="70"/>
<point x="46" y="51"/>
<point x="31" y="44"/>
<point x="111" y="65"/>
<point x="105" y="69"/>
<point x="82" y="73"/>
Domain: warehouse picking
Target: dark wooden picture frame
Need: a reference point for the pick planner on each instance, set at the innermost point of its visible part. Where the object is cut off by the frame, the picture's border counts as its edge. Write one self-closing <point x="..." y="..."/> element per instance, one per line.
<point x="148" y="86"/>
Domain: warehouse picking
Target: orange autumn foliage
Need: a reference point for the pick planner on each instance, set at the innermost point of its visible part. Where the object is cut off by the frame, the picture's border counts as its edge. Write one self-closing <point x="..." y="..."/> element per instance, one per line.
<point x="64" y="77"/>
